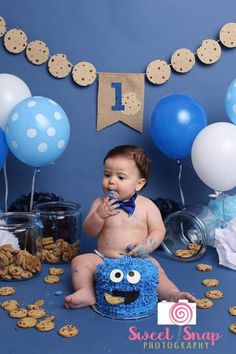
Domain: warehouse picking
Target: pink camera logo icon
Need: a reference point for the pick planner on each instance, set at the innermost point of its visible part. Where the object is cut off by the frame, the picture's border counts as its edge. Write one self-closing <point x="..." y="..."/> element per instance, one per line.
<point x="176" y="313"/>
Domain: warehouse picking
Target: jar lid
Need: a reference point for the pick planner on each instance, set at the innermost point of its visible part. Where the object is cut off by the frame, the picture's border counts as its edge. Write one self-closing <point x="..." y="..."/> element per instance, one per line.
<point x="57" y="208"/>
<point x="15" y="220"/>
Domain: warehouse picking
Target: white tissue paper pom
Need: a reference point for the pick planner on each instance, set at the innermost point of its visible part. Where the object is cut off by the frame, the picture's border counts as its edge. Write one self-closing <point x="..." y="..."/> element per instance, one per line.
<point x="7" y="237"/>
<point x="225" y="243"/>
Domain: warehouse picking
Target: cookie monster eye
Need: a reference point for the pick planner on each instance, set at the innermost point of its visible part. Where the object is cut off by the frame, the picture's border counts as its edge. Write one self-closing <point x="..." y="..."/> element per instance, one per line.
<point x="116" y="275"/>
<point x="133" y="276"/>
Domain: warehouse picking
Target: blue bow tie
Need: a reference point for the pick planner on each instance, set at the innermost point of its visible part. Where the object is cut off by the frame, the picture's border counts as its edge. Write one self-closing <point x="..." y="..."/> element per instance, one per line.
<point x="128" y="206"/>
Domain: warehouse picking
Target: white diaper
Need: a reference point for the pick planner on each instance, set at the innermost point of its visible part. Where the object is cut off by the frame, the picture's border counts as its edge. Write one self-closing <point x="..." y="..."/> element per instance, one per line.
<point x="99" y="254"/>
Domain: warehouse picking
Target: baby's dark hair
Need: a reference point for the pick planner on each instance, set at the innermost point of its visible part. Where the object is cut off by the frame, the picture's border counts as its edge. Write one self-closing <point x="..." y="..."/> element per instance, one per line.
<point x="135" y="153"/>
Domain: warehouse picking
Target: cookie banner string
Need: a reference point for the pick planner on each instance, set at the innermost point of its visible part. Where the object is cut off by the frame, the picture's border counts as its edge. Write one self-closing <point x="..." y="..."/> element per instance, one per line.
<point x="37" y="170"/>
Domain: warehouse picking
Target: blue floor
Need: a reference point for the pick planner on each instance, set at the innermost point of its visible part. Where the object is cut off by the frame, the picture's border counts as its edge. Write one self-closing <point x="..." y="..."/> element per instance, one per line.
<point x="98" y="334"/>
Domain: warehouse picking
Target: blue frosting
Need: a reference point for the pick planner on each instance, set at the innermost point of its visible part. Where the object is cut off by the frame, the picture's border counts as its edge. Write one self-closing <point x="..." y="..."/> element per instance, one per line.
<point x="133" y="279"/>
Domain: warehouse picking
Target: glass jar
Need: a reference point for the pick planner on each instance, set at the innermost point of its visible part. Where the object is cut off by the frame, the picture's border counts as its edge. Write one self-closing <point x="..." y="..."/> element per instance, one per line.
<point x="20" y="246"/>
<point x="189" y="231"/>
<point x="61" y="230"/>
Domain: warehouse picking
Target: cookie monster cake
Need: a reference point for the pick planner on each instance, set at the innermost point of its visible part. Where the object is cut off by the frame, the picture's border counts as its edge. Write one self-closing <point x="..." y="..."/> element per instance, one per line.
<point x="126" y="287"/>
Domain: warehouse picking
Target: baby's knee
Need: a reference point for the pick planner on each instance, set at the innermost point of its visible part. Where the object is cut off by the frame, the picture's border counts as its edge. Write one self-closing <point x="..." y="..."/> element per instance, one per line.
<point x="75" y="262"/>
<point x="157" y="264"/>
<point x="88" y="260"/>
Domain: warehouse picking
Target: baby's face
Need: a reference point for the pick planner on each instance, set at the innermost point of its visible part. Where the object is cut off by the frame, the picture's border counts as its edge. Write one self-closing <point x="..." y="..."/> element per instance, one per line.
<point x="122" y="176"/>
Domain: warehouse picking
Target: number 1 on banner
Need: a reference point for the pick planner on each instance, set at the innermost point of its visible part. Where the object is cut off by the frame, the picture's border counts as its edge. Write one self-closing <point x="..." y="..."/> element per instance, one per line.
<point x="118" y="103"/>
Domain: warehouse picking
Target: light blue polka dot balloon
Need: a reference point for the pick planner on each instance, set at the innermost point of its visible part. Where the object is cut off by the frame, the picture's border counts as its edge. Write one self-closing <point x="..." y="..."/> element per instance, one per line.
<point x="230" y="102"/>
<point x="37" y="131"/>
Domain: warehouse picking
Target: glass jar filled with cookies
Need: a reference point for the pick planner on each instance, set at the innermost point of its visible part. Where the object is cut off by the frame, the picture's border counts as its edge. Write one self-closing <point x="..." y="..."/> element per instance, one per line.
<point x="189" y="232"/>
<point x="20" y="246"/>
<point x="61" y="230"/>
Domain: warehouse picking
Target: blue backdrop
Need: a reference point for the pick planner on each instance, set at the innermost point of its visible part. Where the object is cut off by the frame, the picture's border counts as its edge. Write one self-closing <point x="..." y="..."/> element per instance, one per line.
<point x="116" y="36"/>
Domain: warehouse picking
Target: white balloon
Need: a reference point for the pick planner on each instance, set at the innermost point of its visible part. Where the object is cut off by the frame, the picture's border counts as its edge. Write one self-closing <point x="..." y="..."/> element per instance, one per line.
<point x="12" y="91"/>
<point x="214" y="156"/>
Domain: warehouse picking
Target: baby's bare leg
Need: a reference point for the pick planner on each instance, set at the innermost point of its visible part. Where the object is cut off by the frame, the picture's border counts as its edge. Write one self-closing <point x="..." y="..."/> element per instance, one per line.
<point x="83" y="268"/>
<point x="167" y="290"/>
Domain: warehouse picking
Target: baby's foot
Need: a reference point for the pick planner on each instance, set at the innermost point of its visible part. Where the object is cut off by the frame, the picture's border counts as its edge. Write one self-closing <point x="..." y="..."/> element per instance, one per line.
<point x="80" y="298"/>
<point x="176" y="296"/>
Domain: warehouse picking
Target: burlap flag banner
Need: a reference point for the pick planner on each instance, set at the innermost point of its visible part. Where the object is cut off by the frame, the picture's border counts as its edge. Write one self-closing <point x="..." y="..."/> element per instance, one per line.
<point x="120" y="98"/>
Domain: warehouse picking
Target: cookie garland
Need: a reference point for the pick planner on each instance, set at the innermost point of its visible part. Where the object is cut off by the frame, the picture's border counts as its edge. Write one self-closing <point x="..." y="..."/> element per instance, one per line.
<point x="37" y="52"/>
<point x="15" y="40"/>
<point x="183" y="60"/>
<point x="84" y="73"/>
<point x="2" y="26"/>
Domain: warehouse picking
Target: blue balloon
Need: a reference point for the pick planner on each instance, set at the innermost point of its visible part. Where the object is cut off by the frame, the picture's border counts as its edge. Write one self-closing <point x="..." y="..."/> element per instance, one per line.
<point x="230" y="102"/>
<point x="175" y="122"/>
<point x="3" y="148"/>
<point x="37" y="131"/>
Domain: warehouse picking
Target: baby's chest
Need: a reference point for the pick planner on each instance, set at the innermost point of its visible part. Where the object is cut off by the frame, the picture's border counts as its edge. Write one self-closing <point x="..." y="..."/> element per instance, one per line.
<point x="123" y="220"/>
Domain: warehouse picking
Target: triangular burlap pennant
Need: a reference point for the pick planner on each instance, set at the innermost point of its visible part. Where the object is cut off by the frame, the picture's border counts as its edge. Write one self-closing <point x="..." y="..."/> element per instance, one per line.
<point x="120" y="98"/>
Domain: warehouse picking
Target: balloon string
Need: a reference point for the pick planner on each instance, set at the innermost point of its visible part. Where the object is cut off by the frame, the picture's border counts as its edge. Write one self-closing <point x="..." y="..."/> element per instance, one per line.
<point x="179" y="183"/>
<point x="37" y="170"/>
<point x="221" y="196"/>
<point x="6" y="186"/>
<point x="223" y="222"/>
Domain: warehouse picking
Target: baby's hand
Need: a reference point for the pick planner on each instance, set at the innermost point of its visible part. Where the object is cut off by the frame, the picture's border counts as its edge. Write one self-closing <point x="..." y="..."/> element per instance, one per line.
<point x="137" y="251"/>
<point x="107" y="208"/>
<point x="143" y="249"/>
